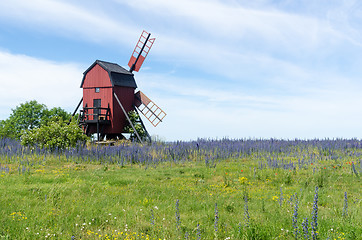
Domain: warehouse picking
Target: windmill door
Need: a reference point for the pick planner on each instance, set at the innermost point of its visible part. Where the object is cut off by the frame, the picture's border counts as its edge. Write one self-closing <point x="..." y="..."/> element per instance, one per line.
<point x="96" y="111"/>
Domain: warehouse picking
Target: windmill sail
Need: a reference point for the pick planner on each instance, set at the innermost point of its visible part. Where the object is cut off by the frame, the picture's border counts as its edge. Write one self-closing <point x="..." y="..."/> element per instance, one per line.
<point x="140" y="52"/>
<point x="149" y="109"/>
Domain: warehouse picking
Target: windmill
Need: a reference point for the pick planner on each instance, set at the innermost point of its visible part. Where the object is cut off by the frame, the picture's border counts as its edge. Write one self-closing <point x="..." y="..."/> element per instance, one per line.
<point x="109" y="94"/>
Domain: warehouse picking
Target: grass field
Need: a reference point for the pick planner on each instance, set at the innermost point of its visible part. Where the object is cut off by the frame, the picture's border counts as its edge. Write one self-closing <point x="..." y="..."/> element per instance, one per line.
<point x="221" y="189"/>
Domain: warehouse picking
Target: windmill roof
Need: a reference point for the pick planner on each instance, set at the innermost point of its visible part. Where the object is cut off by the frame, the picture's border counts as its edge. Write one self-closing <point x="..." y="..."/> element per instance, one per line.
<point x="118" y="75"/>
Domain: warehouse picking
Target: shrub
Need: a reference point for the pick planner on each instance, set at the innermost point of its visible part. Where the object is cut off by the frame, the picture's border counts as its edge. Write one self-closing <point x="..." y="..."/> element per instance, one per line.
<point x="27" y="116"/>
<point x="54" y="135"/>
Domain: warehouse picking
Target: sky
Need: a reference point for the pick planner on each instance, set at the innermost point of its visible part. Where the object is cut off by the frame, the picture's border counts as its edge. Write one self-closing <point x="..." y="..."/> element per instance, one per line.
<point x="220" y="69"/>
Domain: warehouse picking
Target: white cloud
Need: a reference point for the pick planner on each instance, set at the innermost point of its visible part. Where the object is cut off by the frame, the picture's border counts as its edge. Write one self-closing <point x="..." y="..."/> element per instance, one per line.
<point x="25" y="78"/>
<point x="347" y="19"/>
<point x="212" y="36"/>
<point x="70" y="19"/>
<point x="263" y="44"/>
<point x="196" y="111"/>
<point x="232" y="22"/>
<point x="301" y="118"/>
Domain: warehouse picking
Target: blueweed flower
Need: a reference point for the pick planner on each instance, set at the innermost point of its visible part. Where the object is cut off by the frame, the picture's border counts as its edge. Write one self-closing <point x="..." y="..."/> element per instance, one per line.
<point x="290" y="200"/>
<point x="216" y="221"/>
<point x="261" y="165"/>
<point x="295" y="218"/>
<point x="178" y="220"/>
<point x="186" y="235"/>
<point x="305" y="226"/>
<point x="281" y="197"/>
<point x="345" y="207"/>
<point x="314" y="223"/>
<point x="198" y="232"/>
<point x="354" y="169"/>
<point x="246" y="211"/>
<point x="152" y="218"/>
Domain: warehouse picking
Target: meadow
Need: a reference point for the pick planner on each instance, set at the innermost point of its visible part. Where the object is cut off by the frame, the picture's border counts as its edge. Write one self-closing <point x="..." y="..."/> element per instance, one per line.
<point x="204" y="189"/>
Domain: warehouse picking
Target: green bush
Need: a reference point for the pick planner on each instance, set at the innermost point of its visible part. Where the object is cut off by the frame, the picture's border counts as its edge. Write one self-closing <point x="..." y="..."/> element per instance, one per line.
<point x="54" y="135"/>
<point x="27" y="116"/>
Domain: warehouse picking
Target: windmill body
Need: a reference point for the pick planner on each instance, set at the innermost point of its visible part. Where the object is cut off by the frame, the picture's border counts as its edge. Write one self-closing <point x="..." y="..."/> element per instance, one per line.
<point x="109" y="94"/>
<point x="100" y="81"/>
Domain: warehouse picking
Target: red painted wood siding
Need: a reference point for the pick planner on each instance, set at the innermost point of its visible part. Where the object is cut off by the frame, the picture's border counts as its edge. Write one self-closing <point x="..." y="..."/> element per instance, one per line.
<point x="105" y="94"/>
<point x="126" y="97"/>
<point x="97" y="77"/>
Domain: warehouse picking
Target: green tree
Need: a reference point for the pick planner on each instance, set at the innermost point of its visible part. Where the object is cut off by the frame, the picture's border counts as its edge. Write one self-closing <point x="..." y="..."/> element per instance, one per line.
<point x="7" y="129"/>
<point x="55" y="113"/>
<point x="54" y="134"/>
<point x="28" y="116"/>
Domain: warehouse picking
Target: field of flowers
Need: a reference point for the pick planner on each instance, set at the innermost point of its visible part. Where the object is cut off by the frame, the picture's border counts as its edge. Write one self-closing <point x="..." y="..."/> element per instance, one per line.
<point x="204" y="189"/>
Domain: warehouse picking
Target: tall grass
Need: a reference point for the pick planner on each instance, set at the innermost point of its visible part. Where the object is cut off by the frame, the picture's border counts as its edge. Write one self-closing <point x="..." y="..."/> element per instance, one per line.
<point x="206" y="189"/>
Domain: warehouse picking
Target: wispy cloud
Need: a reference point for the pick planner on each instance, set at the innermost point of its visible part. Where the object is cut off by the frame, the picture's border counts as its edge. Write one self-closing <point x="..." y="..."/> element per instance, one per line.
<point x="205" y="109"/>
<point x="269" y="43"/>
<point x="68" y="19"/>
<point x="25" y="78"/>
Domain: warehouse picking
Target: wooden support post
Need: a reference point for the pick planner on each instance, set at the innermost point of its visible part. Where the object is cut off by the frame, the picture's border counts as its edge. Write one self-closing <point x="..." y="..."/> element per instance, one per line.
<point x="144" y="127"/>
<point x="129" y="120"/>
<point x="75" y="111"/>
<point x="97" y="129"/>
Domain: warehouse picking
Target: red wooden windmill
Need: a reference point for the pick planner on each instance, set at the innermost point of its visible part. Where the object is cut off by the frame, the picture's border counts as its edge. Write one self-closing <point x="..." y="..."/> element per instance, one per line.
<point x="109" y="94"/>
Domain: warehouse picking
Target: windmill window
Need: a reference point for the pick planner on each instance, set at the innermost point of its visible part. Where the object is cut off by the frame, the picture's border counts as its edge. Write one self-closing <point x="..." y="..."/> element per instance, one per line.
<point x="97" y="89"/>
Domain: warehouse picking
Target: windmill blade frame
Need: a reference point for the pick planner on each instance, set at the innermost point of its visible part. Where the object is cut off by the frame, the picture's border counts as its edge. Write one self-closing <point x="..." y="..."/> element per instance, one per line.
<point x="149" y="109"/>
<point x="141" y="51"/>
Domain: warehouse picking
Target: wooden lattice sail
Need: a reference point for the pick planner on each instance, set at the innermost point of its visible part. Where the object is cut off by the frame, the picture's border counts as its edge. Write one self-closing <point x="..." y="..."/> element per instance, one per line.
<point x="140" y="52"/>
<point x="149" y="109"/>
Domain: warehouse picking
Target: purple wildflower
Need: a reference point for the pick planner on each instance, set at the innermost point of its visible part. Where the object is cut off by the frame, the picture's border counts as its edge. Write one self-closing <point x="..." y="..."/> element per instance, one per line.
<point x="198" y="233"/>
<point x="178" y="220"/>
<point x="314" y="223"/>
<point x="354" y="169"/>
<point x="305" y="228"/>
<point x="216" y="218"/>
<point x="281" y="197"/>
<point x="246" y="211"/>
<point x="345" y="208"/>
<point x="152" y="218"/>
<point x="295" y="218"/>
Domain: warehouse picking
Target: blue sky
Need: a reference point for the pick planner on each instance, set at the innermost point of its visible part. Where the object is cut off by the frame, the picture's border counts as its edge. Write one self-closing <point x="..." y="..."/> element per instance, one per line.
<point x="232" y="68"/>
